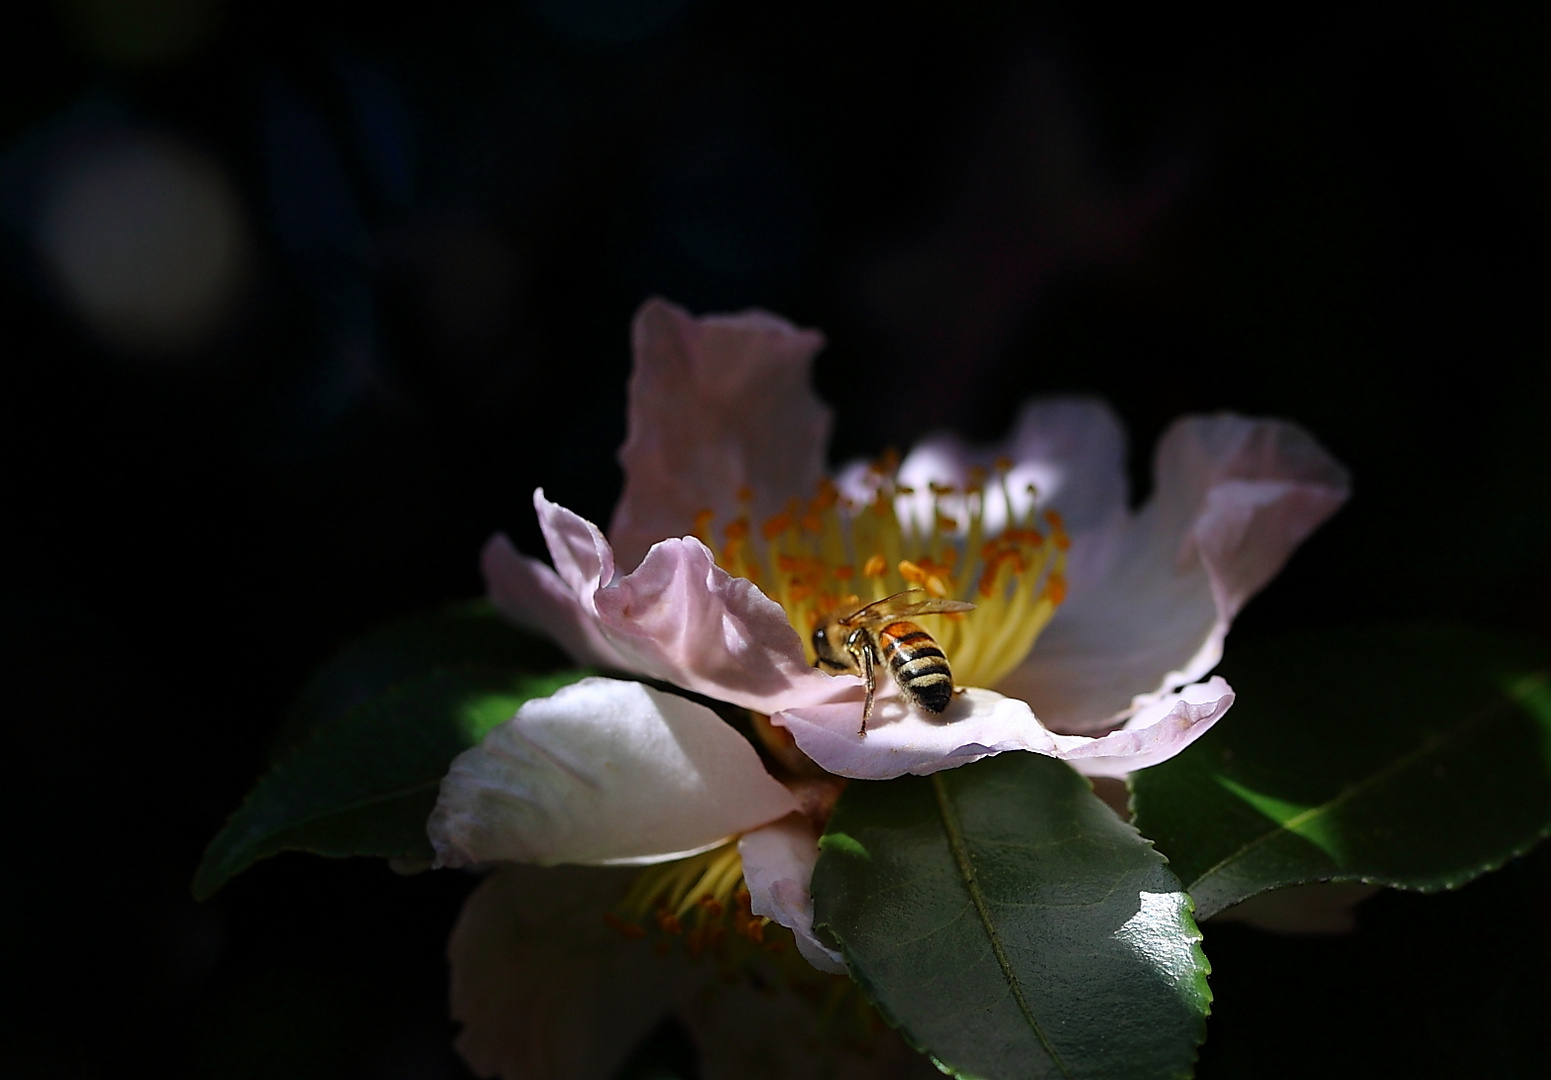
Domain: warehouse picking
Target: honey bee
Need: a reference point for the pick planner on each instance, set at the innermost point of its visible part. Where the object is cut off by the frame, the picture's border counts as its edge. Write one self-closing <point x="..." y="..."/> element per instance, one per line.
<point x="881" y="632"/>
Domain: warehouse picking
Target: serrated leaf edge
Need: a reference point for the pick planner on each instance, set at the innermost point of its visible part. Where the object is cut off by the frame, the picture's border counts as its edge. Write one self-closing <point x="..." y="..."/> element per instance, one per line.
<point x="1522" y="689"/>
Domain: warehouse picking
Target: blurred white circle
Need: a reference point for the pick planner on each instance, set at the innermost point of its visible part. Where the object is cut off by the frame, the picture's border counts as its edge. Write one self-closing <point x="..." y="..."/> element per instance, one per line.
<point x="146" y="240"/>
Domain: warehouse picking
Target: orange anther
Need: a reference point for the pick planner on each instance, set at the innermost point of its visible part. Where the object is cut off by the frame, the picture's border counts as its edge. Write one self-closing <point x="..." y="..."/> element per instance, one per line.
<point x="875" y="567"/>
<point x="911" y="572"/>
<point x="775" y="526"/>
<point x="1053" y="519"/>
<point x="737" y="530"/>
<point x="844" y="572"/>
<point x="710" y="904"/>
<point x="813" y="523"/>
<point x="745" y="494"/>
<point x="947" y="524"/>
<point x="1055" y="588"/>
<point x="627" y="929"/>
<point x="668" y="922"/>
<point x="703" y="521"/>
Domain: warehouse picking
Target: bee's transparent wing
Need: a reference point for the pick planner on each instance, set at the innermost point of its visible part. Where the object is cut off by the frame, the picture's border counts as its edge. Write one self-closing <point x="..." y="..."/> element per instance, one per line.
<point x="905" y="604"/>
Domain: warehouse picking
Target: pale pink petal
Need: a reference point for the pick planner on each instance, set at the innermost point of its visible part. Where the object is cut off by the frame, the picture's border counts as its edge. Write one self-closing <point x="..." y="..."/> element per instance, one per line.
<point x="1235" y="497"/>
<point x="681" y="618"/>
<point x="1074" y="451"/>
<point x="1156" y="733"/>
<point x="543" y="988"/>
<point x="603" y="772"/>
<point x="582" y="557"/>
<point x="716" y="404"/>
<point x="979" y="723"/>
<point x="532" y="595"/>
<point x="778" y="862"/>
<point x="902" y="740"/>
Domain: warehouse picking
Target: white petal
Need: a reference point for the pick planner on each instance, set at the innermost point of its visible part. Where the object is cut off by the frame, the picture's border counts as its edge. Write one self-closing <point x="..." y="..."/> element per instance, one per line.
<point x="543" y="988"/>
<point x="778" y="863"/>
<point x="603" y="772"/>
<point x="1235" y="497"/>
<point x="979" y="723"/>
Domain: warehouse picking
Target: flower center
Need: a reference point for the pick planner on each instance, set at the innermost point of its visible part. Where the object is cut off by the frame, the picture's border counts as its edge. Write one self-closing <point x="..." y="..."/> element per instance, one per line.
<point x="972" y="543"/>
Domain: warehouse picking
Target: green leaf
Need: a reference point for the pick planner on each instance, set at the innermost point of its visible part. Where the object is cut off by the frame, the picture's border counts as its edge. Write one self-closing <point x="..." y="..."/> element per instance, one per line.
<point x="471" y="632"/>
<point x="365" y="783"/>
<point x="1412" y="756"/>
<point x="1010" y="925"/>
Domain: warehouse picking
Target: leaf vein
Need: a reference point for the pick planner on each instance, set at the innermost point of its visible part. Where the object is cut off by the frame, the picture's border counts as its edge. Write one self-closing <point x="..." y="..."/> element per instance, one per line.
<point x="972" y="886"/>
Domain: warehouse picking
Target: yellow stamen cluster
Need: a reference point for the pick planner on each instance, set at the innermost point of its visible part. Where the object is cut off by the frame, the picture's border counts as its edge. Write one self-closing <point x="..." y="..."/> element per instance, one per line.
<point x="829" y="556"/>
<point x="701" y="899"/>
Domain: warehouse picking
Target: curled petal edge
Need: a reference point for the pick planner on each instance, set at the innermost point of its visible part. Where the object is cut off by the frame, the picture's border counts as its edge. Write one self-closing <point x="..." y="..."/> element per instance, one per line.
<point x="678" y="617"/>
<point x="980" y="723"/>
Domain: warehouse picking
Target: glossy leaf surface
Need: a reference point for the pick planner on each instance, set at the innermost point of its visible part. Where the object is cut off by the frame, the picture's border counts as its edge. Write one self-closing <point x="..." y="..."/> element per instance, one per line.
<point x="1009" y="924"/>
<point x="466" y="633"/>
<point x="366" y="781"/>
<point x="1411" y="756"/>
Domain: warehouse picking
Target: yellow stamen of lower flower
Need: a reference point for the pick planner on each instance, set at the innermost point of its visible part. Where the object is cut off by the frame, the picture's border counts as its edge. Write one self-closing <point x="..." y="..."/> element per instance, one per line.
<point x="940" y="541"/>
<point x="700" y="899"/>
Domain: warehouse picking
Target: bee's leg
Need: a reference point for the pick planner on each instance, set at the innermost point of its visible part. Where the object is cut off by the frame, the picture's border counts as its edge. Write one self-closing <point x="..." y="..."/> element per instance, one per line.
<point x="864" y="661"/>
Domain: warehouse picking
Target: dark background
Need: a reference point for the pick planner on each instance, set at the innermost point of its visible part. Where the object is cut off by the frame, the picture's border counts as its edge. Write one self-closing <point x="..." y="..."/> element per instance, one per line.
<point x="449" y="217"/>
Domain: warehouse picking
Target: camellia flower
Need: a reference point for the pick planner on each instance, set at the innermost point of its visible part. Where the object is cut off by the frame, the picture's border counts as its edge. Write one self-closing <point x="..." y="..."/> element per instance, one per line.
<point x="1092" y="638"/>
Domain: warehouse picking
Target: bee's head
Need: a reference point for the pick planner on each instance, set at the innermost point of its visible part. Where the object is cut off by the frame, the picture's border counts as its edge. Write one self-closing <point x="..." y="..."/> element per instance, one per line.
<point x="826" y="647"/>
<point x="820" y="645"/>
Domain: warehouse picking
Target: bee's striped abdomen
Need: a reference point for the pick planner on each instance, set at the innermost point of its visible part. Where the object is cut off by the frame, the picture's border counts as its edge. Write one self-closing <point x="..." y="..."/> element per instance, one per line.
<point x="918" y="665"/>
